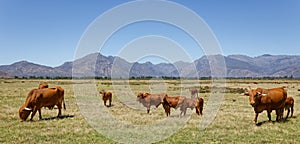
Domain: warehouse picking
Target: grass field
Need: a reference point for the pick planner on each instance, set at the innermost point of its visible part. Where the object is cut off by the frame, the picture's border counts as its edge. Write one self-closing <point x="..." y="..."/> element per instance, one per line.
<point x="232" y="124"/>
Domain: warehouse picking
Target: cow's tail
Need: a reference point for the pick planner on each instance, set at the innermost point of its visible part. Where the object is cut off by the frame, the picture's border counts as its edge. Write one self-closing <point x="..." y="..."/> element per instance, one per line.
<point x="63" y="100"/>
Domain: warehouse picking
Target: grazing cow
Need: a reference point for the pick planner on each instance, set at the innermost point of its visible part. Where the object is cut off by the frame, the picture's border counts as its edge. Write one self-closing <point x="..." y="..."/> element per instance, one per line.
<point x="172" y="102"/>
<point x="289" y="105"/>
<point x="192" y="103"/>
<point x="267" y="99"/>
<point x="106" y="96"/>
<point x="148" y="99"/>
<point x="38" y="98"/>
<point x="194" y="92"/>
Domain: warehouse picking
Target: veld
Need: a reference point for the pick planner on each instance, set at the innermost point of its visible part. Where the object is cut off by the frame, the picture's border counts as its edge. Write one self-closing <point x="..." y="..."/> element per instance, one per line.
<point x="233" y="122"/>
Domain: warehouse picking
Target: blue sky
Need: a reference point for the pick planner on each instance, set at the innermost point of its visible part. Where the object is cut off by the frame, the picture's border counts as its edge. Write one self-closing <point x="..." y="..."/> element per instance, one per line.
<point x="48" y="32"/>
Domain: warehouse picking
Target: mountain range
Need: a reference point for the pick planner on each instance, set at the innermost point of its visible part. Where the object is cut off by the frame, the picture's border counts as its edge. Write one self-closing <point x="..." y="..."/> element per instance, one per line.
<point x="110" y="66"/>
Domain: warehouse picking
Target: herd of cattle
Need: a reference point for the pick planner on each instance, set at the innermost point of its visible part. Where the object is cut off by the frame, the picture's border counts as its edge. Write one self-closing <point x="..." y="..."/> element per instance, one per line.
<point x="168" y="102"/>
<point x="260" y="99"/>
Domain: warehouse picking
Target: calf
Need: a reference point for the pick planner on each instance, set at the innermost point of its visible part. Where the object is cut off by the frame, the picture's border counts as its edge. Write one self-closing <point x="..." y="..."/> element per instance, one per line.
<point x="172" y="102"/>
<point x="194" y="92"/>
<point x="106" y="96"/>
<point x="289" y="105"/>
<point x="148" y="99"/>
<point x="38" y="98"/>
<point x="192" y="103"/>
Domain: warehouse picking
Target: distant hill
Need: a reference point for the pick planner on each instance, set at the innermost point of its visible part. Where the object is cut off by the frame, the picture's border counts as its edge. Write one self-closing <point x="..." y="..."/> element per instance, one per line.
<point x="106" y="66"/>
<point x="4" y="75"/>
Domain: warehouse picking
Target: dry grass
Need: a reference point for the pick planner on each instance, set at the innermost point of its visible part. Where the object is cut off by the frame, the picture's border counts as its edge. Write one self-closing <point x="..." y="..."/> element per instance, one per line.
<point x="233" y="123"/>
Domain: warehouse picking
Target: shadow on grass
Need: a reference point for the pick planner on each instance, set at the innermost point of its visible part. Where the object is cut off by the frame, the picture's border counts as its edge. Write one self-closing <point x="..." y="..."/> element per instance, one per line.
<point x="273" y="122"/>
<point x="265" y="122"/>
<point x="110" y="105"/>
<point x="60" y="117"/>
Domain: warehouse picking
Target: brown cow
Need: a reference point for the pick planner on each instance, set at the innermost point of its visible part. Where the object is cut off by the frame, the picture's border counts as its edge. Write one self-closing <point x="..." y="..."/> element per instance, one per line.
<point x="192" y="103"/>
<point x="106" y="96"/>
<point x="194" y="91"/>
<point x="148" y="99"/>
<point x="38" y="98"/>
<point x="43" y="85"/>
<point x="172" y="102"/>
<point x="289" y="105"/>
<point x="267" y="99"/>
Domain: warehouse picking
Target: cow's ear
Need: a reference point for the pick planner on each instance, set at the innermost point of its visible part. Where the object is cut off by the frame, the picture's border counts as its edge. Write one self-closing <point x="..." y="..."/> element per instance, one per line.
<point x="246" y="94"/>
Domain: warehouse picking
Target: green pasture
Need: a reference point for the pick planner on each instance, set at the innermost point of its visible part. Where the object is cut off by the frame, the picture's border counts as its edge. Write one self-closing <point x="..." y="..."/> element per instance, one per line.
<point x="232" y="124"/>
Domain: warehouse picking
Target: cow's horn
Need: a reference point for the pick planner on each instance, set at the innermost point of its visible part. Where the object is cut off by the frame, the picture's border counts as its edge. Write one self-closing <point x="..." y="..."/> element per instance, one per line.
<point x="26" y="108"/>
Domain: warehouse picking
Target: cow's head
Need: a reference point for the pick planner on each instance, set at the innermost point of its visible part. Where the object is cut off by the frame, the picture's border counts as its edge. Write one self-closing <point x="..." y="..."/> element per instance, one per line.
<point x="102" y="92"/>
<point x="24" y="112"/>
<point x="254" y="96"/>
<point x="142" y="95"/>
<point x="139" y="96"/>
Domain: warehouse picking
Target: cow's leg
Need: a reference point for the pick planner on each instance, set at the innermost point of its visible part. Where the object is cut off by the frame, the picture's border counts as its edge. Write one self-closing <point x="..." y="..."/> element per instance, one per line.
<point x="40" y="114"/>
<point x="292" y="110"/>
<point x="287" y="115"/>
<point x="184" y="112"/>
<point x="167" y="109"/>
<point x="269" y="116"/>
<point x="110" y="102"/>
<point x="255" y="118"/>
<point x="279" y="114"/>
<point x="158" y="104"/>
<point x="59" y="110"/>
<point x="33" y="113"/>
<point x="181" y="113"/>
<point x="104" y="102"/>
<point x="148" y="105"/>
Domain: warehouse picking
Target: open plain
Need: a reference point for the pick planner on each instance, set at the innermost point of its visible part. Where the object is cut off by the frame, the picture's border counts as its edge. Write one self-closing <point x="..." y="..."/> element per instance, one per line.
<point x="232" y="124"/>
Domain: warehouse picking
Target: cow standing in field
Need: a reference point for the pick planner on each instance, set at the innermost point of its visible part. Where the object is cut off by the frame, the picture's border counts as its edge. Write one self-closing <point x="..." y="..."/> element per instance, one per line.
<point x="106" y="96"/>
<point x="268" y="99"/>
<point x="148" y="99"/>
<point x="289" y="106"/>
<point x="192" y="103"/>
<point x="172" y="102"/>
<point x="194" y="92"/>
<point x="38" y="98"/>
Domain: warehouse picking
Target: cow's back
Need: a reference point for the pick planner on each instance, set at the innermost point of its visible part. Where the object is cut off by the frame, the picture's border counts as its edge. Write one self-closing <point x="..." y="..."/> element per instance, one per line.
<point x="276" y="97"/>
<point x="50" y="96"/>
